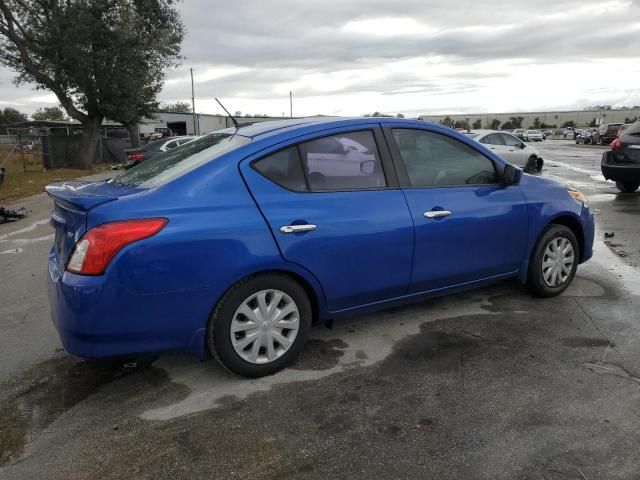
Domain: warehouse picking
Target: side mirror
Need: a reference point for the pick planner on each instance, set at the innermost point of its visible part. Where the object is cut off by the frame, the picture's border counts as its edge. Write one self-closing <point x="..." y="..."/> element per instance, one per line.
<point x="523" y="145"/>
<point x="367" y="166"/>
<point x="511" y="175"/>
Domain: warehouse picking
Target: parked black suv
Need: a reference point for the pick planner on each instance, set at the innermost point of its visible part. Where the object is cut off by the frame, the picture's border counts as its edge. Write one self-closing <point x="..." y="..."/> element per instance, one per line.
<point x="622" y="163"/>
<point x="606" y="133"/>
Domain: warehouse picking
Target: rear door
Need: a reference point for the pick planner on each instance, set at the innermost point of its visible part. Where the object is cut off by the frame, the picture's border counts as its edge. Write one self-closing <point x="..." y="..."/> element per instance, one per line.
<point x="334" y="207"/>
<point x="468" y="225"/>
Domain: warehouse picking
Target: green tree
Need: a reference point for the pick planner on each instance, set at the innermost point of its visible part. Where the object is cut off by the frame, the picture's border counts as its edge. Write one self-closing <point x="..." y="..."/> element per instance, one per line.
<point x="462" y="124"/>
<point x="176" y="107"/>
<point x="101" y="58"/>
<point x="446" y="121"/>
<point x="536" y="123"/>
<point x="55" y="114"/>
<point x="495" y="124"/>
<point x="568" y="123"/>
<point x="592" y="123"/>
<point x="477" y="124"/>
<point x="630" y="120"/>
<point x="11" y="115"/>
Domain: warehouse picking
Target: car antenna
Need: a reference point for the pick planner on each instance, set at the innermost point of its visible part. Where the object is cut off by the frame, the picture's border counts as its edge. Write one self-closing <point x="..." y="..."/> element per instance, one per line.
<point x="235" y="122"/>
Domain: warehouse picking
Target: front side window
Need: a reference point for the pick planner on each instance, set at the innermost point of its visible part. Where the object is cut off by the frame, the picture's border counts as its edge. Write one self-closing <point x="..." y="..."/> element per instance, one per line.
<point x="434" y="160"/>
<point x="348" y="161"/>
<point x="510" y="140"/>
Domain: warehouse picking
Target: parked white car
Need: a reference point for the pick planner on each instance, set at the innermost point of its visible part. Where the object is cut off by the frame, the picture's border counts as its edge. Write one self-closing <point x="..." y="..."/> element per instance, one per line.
<point x="533" y="136"/>
<point x="511" y="148"/>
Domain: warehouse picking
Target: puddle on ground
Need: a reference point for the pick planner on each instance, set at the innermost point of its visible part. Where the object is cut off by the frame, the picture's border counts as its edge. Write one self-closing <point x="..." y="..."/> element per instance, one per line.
<point x="42" y="394"/>
<point x="366" y="340"/>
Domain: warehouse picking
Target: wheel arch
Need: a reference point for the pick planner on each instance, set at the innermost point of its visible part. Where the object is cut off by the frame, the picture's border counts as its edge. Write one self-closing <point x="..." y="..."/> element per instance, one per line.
<point x="564" y="219"/>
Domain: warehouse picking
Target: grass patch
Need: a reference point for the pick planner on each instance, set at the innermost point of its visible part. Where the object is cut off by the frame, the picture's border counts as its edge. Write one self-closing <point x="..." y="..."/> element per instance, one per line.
<point x="25" y="175"/>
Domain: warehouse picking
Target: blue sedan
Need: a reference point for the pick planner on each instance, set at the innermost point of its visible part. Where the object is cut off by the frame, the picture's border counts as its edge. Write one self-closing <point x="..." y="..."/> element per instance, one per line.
<point x="236" y="243"/>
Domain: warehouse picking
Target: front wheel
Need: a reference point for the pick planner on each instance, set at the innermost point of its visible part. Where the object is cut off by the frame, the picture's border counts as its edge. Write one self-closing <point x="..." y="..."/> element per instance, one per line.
<point x="554" y="261"/>
<point x="627" y="187"/>
<point x="532" y="164"/>
<point x="260" y="325"/>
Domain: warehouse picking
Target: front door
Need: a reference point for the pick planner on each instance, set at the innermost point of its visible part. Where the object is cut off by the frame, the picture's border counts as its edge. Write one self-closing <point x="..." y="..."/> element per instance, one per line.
<point x="334" y="207"/>
<point x="468" y="226"/>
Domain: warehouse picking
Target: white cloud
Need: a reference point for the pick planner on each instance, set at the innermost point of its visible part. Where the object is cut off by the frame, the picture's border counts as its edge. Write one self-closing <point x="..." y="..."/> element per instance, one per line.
<point x="359" y="56"/>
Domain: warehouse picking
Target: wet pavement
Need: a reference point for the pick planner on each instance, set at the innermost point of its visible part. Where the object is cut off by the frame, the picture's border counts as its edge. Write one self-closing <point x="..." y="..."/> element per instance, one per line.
<point x="490" y="384"/>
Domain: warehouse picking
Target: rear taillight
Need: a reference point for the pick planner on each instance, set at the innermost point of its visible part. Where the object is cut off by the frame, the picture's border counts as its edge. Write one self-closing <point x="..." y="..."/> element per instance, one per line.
<point x="616" y="144"/>
<point x="98" y="246"/>
<point x="134" y="157"/>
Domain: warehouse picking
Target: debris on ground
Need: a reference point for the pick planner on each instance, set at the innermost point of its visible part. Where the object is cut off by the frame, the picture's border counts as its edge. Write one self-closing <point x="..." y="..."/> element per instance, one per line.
<point x="609" y="234"/>
<point x="7" y="215"/>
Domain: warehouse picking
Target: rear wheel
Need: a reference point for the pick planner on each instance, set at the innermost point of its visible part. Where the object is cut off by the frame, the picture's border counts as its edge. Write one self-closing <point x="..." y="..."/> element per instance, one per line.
<point x="627" y="187"/>
<point x="554" y="261"/>
<point x="260" y="326"/>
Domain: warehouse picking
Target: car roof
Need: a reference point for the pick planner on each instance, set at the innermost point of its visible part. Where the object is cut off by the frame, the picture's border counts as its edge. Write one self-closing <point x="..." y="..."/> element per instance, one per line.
<point x="273" y="127"/>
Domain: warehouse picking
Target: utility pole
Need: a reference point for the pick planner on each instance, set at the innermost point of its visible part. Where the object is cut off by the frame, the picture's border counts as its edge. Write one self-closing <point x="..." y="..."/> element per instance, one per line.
<point x="193" y="106"/>
<point x="290" y="104"/>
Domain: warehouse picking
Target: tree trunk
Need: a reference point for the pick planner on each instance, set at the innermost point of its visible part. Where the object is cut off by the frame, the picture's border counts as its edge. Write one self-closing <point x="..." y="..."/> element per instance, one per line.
<point x="133" y="134"/>
<point x="91" y="132"/>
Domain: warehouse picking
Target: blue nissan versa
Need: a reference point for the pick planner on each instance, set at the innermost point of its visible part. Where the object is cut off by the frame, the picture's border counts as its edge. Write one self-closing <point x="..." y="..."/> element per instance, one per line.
<point x="235" y="243"/>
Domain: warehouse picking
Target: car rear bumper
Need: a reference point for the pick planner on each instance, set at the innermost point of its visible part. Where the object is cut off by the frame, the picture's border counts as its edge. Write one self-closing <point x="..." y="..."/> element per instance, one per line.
<point x="98" y="318"/>
<point x="619" y="172"/>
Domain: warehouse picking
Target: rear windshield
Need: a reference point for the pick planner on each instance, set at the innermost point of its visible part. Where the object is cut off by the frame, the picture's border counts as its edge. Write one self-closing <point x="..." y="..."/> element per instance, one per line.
<point x="634" y="129"/>
<point x="180" y="160"/>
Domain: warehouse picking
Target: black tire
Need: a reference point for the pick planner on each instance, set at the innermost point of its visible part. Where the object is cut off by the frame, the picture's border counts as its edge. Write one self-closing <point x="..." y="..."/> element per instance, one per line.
<point x="531" y="165"/>
<point x="627" y="187"/>
<point x="536" y="282"/>
<point x="539" y="164"/>
<point x="219" y="326"/>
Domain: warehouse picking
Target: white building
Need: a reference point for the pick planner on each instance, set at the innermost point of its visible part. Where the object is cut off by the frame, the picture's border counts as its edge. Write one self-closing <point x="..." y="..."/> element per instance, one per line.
<point x="183" y="123"/>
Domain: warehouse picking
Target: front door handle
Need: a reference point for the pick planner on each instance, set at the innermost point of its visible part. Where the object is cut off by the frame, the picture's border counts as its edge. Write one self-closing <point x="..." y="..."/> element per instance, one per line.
<point x="437" y="213"/>
<point x="297" y="228"/>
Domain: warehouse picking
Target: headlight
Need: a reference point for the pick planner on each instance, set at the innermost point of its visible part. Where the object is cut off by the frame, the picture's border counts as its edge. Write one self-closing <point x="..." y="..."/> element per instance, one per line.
<point x="577" y="195"/>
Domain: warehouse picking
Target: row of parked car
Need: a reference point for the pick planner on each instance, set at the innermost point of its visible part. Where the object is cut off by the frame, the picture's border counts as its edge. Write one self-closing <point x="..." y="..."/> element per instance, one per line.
<point x="154" y="148"/>
<point x="622" y="163"/>
<point x="602" y="135"/>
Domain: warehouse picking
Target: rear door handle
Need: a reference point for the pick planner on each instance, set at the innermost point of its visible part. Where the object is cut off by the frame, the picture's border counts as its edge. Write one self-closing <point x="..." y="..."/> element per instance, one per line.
<point x="297" y="228"/>
<point x="437" y="213"/>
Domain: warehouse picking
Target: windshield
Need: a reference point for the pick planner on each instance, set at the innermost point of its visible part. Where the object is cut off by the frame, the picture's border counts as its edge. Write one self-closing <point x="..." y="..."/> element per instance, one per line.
<point x="533" y="131"/>
<point x="180" y="160"/>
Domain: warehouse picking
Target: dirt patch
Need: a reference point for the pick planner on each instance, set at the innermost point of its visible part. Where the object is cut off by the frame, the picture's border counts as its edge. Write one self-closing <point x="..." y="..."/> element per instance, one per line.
<point x="42" y="394"/>
<point x="25" y="175"/>
<point x="320" y="354"/>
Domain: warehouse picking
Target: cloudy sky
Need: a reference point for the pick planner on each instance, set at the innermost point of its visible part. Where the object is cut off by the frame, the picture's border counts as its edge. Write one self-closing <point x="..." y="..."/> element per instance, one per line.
<point x="350" y="57"/>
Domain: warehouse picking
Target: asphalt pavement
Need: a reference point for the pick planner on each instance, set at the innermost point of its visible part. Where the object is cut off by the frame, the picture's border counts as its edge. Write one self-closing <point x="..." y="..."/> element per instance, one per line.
<point x="488" y="384"/>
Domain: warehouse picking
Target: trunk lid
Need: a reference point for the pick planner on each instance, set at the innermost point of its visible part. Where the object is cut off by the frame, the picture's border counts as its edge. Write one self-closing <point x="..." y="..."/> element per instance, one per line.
<point x="629" y="150"/>
<point x="72" y="203"/>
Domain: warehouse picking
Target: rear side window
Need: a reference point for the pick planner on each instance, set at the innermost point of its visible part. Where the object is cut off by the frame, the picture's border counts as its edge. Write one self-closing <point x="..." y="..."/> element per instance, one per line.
<point x="634" y="129"/>
<point x="434" y="160"/>
<point x="348" y="161"/>
<point x="283" y="168"/>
